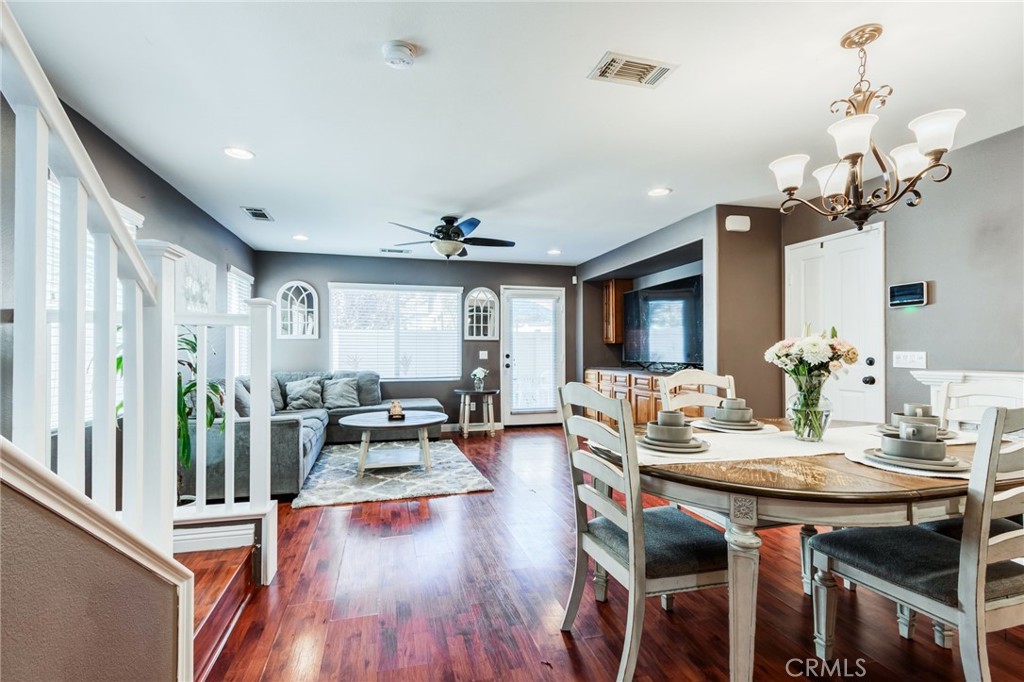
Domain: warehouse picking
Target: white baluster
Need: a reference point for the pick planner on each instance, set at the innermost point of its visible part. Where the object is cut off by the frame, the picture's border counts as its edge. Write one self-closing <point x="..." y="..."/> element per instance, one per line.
<point x="30" y="428"/>
<point x="74" y="203"/>
<point x="260" y="310"/>
<point x="104" y="397"/>
<point x="160" y="463"/>
<point x="133" y="442"/>
<point x="230" y="348"/>
<point x="199" y="466"/>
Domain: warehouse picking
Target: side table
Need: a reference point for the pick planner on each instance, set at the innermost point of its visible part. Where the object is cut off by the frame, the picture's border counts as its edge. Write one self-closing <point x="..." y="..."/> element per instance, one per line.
<point x="486" y="404"/>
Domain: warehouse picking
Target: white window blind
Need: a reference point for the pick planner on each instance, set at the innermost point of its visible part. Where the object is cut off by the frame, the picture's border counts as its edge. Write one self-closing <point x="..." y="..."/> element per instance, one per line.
<point x="400" y="332"/>
<point x="239" y="293"/>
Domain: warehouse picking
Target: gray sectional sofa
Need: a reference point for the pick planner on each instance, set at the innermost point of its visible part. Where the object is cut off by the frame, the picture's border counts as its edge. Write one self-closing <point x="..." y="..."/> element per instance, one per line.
<point x="300" y="427"/>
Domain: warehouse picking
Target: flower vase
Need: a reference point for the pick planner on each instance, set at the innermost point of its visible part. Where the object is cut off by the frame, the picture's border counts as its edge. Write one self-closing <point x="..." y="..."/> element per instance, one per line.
<point x="478" y="384"/>
<point x="807" y="410"/>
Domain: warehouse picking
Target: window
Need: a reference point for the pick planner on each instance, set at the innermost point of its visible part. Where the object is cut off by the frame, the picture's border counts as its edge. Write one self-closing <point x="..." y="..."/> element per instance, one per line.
<point x="298" y="312"/>
<point x="239" y="293"/>
<point x="481" y="315"/>
<point x="400" y="332"/>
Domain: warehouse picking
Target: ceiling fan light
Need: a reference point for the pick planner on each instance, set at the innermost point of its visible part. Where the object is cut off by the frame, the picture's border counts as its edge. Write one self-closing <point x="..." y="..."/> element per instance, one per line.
<point x="789" y="171"/>
<point x="909" y="161"/>
<point x="934" y="131"/>
<point x="832" y="178"/>
<point x="853" y="135"/>
<point x="446" y="247"/>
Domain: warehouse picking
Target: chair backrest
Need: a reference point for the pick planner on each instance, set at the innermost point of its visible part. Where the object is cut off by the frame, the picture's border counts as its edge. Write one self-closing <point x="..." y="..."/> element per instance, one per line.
<point x="967" y="401"/>
<point x="677" y="390"/>
<point x="618" y="471"/>
<point x="978" y="549"/>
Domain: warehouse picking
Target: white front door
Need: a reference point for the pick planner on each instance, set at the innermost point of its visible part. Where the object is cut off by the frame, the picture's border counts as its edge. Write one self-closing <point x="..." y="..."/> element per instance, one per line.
<point x="532" y="354"/>
<point x="840" y="281"/>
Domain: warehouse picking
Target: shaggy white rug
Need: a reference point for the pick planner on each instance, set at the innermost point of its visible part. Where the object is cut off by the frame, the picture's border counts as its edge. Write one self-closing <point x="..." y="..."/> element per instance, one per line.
<point x="333" y="479"/>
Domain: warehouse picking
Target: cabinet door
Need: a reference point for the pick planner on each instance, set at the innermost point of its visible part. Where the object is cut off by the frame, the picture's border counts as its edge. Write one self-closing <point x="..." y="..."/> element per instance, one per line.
<point x="614" y="289"/>
<point x="645" y="408"/>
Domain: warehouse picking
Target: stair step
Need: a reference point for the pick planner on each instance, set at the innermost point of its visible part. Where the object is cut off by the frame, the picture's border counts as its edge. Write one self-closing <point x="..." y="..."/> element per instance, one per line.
<point x="223" y="586"/>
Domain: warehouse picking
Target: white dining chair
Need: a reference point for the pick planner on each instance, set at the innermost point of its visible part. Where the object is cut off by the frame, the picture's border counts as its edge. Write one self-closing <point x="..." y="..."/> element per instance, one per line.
<point x="974" y="584"/>
<point x="964" y="402"/>
<point x="677" y="390"/>
<point x="656" y="551"/>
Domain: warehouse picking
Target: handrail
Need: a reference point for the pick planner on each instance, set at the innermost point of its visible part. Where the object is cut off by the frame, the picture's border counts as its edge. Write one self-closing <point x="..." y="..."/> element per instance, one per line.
<point x="212" y="319"/>
<point x="25" y="83"/>
<point x="27" y="476"/>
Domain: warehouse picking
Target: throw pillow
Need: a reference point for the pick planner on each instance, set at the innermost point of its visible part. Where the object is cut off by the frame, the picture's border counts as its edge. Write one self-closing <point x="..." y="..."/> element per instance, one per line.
<point x="243" y="401"/>
<point x="275" y="395"/>
<point x="340" y="393"/>
<point x="304" y="394"/>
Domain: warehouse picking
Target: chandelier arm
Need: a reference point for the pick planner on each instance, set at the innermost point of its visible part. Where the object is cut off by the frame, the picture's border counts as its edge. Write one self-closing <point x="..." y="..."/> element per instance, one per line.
<point x="911" y="186"/>
<point x="791" y="203"/>
<point x="890" y="182"/>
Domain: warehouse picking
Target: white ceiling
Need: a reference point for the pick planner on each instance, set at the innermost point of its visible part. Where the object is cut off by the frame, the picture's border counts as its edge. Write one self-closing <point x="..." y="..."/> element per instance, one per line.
<point x="497" y="119"/>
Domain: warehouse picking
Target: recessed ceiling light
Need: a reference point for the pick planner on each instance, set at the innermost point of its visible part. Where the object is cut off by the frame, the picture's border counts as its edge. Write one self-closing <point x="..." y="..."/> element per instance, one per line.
<point x="554" y="252"/>
<point x="238" y="153"/>
<point x="659" y="192"/>
<point x="300" y="237"/>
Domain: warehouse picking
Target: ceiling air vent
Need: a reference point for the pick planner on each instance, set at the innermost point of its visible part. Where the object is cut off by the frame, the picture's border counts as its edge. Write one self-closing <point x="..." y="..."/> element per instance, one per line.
<point x="396" y="250"/>
<point x="258" y="214"/>
<point x="621" y="68"/>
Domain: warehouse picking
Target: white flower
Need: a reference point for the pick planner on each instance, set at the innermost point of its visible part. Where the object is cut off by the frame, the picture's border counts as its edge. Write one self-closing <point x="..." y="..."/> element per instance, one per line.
<point x="815" y="350"/>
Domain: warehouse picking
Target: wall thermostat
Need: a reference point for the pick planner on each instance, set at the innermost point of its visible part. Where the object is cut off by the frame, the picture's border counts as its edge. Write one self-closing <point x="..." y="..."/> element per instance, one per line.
<point x="907" y="295"/>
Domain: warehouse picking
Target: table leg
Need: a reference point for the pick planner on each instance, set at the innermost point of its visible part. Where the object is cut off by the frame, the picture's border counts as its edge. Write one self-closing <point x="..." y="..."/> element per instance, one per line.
<point x="743" y="562"/>
<point x="490" y="413"/>
<point x="806" y="570"/>
<point x="364" y="448"/>
<point x="425" y="448"/>
<point x="464" y="416"/>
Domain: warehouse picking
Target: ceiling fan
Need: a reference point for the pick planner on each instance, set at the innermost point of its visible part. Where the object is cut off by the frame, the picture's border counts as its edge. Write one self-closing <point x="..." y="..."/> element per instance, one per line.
<point x="450" y="239"/>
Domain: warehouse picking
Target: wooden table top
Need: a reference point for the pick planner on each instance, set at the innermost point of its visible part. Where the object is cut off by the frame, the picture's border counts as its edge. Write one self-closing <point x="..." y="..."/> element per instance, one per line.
<point x="379" y="420"/>
<point x="817" y="477"/>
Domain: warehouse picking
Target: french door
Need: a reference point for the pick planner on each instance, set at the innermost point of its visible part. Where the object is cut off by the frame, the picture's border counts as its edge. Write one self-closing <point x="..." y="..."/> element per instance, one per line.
<point x="840" y="281"/>
<point x="532" y="354"/>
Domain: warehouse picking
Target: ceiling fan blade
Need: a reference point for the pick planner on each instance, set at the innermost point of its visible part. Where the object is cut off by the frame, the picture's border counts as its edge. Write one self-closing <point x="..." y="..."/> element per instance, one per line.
<point x="425" y="241"/>
<point x="463" y="253"/>
<point x="414" y="229"/>
<point x="468" y="225"/>
<point x="487" y="241"/>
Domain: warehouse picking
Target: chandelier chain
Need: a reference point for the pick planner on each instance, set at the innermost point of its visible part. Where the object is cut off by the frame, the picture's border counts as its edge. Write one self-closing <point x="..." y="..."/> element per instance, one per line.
<point x="863" y="69"/>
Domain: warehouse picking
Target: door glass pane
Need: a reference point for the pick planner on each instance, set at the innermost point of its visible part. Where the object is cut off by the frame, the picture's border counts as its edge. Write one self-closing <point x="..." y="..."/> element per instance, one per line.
<point x="533" y="345"/>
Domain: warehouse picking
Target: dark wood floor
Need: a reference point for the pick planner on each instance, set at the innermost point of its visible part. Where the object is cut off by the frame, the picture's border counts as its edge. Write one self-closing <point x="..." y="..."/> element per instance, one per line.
<point x="471" y="587"/>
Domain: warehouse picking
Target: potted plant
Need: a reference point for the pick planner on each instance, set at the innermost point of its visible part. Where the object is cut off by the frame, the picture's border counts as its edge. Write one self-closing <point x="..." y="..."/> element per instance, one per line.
<point x="478" y="375"/>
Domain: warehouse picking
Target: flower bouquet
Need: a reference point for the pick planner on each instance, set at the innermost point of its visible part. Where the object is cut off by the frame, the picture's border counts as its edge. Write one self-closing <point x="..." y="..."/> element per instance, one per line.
<point x="809" y="362"/>
<point x="478" y="375"/>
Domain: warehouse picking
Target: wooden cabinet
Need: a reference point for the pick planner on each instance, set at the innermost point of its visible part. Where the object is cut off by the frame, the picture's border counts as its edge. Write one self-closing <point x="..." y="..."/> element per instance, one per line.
<point x="613" y="310"/>
<point x="639" y="388"/>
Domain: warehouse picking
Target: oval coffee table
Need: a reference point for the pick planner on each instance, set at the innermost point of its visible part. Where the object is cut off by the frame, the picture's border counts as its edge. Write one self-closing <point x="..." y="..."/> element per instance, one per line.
<point x="397" y="457"/>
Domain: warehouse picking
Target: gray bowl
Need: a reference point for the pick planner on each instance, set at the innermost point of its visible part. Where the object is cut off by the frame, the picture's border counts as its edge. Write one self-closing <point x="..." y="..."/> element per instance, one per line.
<point x="914" y="449"/>
<point x="733" y="403"/>
<point x="743" y="415"/>
<point x="671" y="418"/>
<point x="896" y="418"/>
<point x="672" y="434"/>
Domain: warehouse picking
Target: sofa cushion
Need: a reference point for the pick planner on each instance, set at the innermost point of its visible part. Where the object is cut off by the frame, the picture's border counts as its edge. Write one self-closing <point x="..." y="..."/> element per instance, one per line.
<point x="243" y="401"/>
<point x="312" y="435"/>
<point x="367" y="384"/>
<point x="340" y="393"/>
<point x="425" y="404"/>
<point x="317" y="415"/>
<point x="276" y="398"/>
<point x="247" y="383"/>
<point x="304" y="394"/>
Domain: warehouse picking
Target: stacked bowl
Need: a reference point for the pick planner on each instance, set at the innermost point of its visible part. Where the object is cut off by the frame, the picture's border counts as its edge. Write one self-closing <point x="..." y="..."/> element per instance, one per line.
<point x="672" y="433"/>
<point x="913" y="439"/>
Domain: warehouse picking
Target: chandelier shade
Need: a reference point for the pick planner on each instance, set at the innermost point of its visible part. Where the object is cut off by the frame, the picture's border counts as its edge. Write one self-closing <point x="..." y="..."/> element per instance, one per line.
<point x="843" y="194"/>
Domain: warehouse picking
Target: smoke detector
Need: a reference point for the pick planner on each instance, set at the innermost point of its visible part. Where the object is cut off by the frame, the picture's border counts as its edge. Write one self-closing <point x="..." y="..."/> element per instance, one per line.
<point x="398" y="54"/>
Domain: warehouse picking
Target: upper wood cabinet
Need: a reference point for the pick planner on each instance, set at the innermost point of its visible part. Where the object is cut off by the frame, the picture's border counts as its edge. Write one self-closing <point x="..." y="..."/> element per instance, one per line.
<point x="613" y="310"/>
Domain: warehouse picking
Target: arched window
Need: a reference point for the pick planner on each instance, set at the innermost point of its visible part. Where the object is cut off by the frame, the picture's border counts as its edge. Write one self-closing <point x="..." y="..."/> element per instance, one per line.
<point x="298" y="311"/>
<point x="481" y="315"/>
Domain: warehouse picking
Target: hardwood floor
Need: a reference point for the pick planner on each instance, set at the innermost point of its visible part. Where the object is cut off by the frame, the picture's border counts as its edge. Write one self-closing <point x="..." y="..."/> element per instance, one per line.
<point x="471" y="587"/>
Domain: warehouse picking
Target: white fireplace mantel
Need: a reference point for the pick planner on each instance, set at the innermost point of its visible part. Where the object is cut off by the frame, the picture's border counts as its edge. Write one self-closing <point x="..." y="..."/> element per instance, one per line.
<point x="935" y="378"/>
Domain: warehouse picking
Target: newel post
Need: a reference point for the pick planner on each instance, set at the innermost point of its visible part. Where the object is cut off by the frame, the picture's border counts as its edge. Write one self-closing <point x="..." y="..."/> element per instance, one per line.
<point x="260" y="315"/>
<point x="159" y="358"/>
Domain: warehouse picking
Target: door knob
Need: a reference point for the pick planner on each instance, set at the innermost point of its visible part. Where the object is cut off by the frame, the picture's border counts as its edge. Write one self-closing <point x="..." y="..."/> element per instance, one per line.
<point x="869" y="362"/>
<point x="869" y="380"/>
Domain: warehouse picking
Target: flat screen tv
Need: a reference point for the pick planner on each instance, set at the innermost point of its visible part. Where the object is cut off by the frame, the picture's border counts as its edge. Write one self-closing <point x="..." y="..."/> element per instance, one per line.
<point x="664" y="324"/>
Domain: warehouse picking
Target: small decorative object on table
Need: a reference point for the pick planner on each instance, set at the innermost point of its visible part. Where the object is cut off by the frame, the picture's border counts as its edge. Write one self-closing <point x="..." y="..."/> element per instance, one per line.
<point x="478" y="375"/>
<point x="395" y="413"/>
<point x="809" y="362"/>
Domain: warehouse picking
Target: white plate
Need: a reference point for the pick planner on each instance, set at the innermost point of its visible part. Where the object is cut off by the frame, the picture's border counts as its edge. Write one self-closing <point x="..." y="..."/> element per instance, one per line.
<point x="655" y="449"/>
<point x="716" y="425"/>
<point x="876" y="455"/>
<point x="694" y="445"/>
<point x="888" y="430"/>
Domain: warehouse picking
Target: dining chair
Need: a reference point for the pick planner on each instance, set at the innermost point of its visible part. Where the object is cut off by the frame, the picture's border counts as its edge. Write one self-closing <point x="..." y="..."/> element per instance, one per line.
<point x="677" y="389"/>
<point x="973" y="583"/>
<point x="965" y="402"/>
<point x="656" y="551"/>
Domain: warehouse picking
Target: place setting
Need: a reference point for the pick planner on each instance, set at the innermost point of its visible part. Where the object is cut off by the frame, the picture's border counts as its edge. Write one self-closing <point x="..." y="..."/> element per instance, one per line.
<point x="733" y="416"/>
<point x="914" y="448"/>
<point x="671" y="434"/>
<point x="915" y="413"/>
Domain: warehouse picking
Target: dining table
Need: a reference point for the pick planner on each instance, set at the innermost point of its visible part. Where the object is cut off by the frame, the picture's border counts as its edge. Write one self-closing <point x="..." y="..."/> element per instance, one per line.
<point x="827" y="489"/>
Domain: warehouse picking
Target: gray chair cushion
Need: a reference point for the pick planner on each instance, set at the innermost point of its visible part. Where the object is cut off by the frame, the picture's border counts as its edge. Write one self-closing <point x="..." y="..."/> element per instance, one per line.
<point x="304" y="394"/>
<point x="954" y="528"/>
<point x="675" y="544"/>
<point x="916" y="559"/>
<point x="340" y="393"/>
<point x="367" y="384"/>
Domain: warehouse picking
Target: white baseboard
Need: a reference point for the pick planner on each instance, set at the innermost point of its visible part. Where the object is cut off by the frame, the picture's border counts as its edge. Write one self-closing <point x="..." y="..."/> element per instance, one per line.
<point x="452" y="428"/>
<point x="196" y="539"/>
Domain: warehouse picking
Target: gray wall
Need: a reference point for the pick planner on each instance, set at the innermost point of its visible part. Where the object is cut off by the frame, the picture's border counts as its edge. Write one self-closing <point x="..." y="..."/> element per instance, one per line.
<point x="74" y="609"/>
<point x="6" y="264"/>
<point x="966" y="239"/>
<point x="274" y="269"/>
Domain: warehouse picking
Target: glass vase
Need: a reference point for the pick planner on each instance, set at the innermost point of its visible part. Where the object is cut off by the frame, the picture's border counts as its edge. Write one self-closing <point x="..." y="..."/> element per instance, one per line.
<point x="478" y="384"/>
<point x="808" y="410"/>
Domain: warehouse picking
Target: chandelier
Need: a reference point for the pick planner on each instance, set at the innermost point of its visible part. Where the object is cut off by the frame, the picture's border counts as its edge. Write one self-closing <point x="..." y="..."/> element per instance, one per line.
<point x="842" y="183"/>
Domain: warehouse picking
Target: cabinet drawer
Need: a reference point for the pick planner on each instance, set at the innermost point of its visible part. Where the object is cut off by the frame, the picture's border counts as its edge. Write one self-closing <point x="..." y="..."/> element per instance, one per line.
<point x="648" y="383"/>
<point x="591" y="377"/>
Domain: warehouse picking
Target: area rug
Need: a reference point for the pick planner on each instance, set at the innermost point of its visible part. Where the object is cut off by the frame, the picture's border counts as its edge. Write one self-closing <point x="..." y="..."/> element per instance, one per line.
<point x="333" y="479"/>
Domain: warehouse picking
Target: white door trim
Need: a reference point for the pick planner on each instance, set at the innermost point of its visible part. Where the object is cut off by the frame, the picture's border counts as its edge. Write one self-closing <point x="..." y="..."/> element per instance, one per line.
<point x="507" y="417"/>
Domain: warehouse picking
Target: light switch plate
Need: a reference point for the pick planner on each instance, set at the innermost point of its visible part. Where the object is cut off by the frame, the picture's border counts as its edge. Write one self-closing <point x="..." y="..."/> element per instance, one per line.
<point x="483" y="355"/>
<point x="910" y="359"/>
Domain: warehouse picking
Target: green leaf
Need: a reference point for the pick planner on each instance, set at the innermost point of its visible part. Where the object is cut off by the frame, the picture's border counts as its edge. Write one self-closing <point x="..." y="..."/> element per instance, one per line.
<point x="835" y="334"/>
